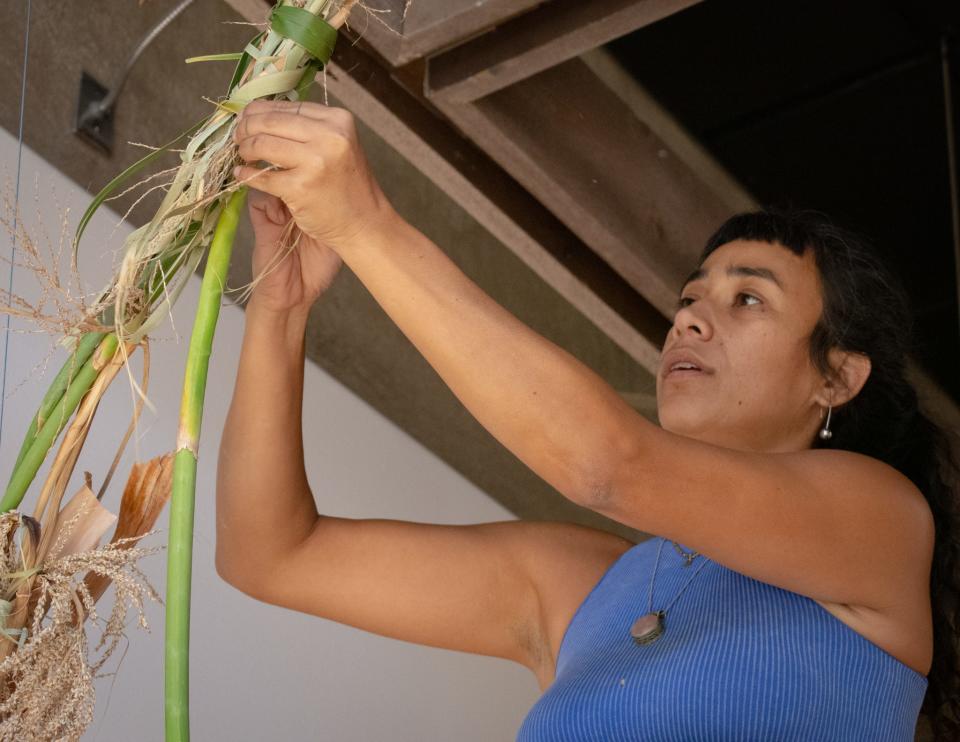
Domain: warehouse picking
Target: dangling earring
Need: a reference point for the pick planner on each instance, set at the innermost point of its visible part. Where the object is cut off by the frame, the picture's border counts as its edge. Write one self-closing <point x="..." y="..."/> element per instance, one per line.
<point x="826" y="434"/>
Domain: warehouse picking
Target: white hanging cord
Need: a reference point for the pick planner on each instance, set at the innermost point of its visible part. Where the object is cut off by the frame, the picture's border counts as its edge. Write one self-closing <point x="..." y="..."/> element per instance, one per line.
<point x="16" y="214"/>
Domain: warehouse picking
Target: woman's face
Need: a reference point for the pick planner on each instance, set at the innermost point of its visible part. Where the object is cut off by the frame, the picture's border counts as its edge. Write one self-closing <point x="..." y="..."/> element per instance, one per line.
<point x="745" y="320"/>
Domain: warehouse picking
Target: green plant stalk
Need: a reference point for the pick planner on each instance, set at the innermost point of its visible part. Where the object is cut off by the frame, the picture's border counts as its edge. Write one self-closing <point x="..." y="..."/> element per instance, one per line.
<point x="180" y="540"/>
<point x="20" y="480"/>
<point x="33" y="457"/>
<point x="88" y="343"/>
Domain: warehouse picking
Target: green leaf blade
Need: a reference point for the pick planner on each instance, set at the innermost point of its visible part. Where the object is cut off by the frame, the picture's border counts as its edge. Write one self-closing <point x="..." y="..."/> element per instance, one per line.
<point x="312" y="33"/>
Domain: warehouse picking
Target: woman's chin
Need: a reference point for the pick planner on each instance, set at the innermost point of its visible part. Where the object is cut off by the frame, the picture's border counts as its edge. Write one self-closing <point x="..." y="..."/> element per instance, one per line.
<point x="682" y="419"/>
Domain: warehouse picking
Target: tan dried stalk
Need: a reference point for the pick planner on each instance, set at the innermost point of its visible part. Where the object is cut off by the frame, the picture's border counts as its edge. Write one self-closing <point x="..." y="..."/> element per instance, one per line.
<point x="48" y="503"/>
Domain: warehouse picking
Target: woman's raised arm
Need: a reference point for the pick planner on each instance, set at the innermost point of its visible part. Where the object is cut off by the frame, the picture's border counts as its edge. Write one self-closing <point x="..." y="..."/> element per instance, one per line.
<point x="501" y="589"/>
<point x="549" y="409"/>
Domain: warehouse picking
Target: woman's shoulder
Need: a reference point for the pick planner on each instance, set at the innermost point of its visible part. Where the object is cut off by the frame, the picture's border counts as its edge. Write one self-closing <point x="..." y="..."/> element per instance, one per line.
<point x="864" y="470"/>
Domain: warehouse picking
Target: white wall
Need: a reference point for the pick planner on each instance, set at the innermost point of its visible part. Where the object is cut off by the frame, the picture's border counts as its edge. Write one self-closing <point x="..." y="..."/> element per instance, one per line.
<point x="259" y="672"/>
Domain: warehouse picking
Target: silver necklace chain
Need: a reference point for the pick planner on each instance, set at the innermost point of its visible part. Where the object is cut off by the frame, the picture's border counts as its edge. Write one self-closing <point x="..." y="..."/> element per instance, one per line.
<point x="689" y="557"/>
<point x="663" y="611"/>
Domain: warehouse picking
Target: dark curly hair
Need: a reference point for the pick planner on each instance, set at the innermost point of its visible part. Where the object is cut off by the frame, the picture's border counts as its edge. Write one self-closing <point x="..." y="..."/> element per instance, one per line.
<point x="865" y="310"/>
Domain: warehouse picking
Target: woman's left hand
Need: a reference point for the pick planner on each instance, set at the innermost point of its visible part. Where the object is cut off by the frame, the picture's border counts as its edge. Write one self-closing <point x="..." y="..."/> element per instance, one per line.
<point x="321" y="172"/>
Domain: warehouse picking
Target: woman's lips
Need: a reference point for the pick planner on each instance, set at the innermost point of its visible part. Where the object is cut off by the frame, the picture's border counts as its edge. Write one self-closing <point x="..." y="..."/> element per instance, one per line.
<point x="685" y="373"/>
<point x="683" y="361"/>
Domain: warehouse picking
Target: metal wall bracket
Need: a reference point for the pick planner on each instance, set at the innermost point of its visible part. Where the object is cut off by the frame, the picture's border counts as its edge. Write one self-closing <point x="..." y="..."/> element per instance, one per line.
<point x="91" y="123"/>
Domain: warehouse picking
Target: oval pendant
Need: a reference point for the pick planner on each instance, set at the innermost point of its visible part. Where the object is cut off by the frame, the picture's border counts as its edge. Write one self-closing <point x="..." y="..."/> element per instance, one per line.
<point x="648" y="628"/>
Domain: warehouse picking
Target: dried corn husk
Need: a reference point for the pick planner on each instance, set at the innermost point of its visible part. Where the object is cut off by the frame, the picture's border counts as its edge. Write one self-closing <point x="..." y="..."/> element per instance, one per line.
<point x="144" y="497"/>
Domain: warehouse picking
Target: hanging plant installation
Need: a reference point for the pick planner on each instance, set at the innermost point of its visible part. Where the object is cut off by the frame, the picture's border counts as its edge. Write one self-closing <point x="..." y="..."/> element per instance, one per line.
<point x="52" y="570"/>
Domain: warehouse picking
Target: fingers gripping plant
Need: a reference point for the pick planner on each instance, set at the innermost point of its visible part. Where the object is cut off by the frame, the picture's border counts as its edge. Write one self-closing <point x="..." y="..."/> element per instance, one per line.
<point x="198" y="215"/>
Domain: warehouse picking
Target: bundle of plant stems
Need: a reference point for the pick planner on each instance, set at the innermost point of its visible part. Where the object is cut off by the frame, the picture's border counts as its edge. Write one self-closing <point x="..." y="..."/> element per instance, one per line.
<point x="198" y="216"/>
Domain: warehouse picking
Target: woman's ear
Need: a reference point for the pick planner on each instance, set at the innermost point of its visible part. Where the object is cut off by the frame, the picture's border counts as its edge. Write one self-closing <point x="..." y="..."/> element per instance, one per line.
<point x="850" y="373"/>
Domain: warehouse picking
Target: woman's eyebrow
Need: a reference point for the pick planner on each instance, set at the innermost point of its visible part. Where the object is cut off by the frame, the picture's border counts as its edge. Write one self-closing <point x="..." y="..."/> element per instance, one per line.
<point x="738" y="270"/>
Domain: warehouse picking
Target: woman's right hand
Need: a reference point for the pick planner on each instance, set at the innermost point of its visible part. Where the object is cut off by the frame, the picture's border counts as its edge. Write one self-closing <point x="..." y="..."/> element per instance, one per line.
<point x="286" y="279"/>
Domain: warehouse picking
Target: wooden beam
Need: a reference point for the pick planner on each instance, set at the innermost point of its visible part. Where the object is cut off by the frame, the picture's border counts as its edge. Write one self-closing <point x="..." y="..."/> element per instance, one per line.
<point x="380" y="24"/>
<point x="677" y="140"/>
<point x="412" y="30"/>
<point x="255" y="11"/>
<point x="402" y="31"/>
<point x="434" y="25"/>
<point x="543" y="38"/>
<point x="580" y="150"/>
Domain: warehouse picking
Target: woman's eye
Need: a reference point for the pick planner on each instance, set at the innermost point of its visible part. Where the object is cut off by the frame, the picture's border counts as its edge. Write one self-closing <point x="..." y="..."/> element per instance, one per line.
<point x="742" y="297"/>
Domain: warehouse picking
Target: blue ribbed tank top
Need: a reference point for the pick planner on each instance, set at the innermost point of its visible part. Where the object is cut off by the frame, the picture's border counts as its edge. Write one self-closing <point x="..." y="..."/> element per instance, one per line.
<point x="739" y="660"/>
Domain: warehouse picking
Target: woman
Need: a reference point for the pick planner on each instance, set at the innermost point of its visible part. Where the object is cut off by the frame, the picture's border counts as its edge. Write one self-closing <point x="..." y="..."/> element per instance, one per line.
<point x="792" y="481"/>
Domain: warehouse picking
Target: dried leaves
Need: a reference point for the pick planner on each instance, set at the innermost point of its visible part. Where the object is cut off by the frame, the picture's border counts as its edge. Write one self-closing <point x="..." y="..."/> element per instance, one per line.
<point x="46" y="676"/>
